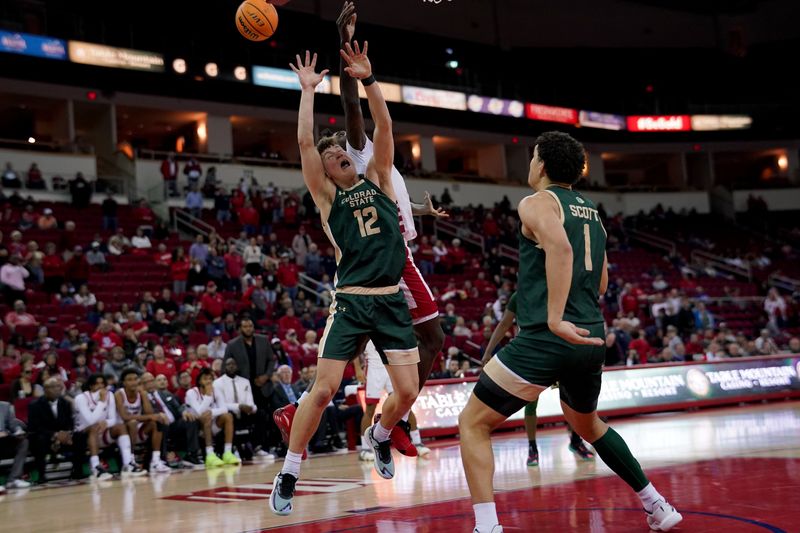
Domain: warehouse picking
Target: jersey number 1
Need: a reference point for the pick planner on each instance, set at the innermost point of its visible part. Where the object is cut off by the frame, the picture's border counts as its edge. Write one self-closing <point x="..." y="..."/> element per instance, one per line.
<point x="587" y="255"/>
<point x="366" y="228"/>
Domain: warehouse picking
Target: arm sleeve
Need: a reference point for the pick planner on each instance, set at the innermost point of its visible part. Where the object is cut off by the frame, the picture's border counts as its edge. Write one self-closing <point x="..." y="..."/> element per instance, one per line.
<point x="219" y="392"/>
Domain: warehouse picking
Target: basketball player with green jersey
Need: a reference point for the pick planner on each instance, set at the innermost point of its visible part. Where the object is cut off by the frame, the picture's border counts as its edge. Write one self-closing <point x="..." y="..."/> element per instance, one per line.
<point x="576" y="444"/>
<point x="562" y="273"/>
<point x="360" y="217"/>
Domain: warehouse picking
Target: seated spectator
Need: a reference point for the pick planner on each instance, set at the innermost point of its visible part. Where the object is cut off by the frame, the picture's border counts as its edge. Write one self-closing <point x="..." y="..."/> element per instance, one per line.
<point x="290" y="321"/>
<point x="160" y="325"/>
<point x="95" y="258"/>
<point x="659" y="284"/>
<point x="141" y="242"/>
<point x="199" y="249"/>
<point x="47" y="221"/>
<point x="161" y="364"/>
<point x="84" y="297"/>
<point x="193" y="171"/>
<point x="222" y="205"/>
<point x="179" y="270"/>
<point x="248" y="217"/>
<point x="313" y="262"/>
<point x="51" y="365"/>
<point x="16" y="246"/>
<point x="50" y="426"/>
<point x="77" y="268"/>
<point x="214" y="417"/>
<point x="144" y="215"/>
<point x="311" y="347"/>
<point x="10" y="179"/>
<point x="24" y="386"/>
<point x="117" y="363"/>
<point x="441" y="262"/>
<point x="216" y="348"/>
<point x="118" y="243"/>
<point x="19" y="317"/>
<point x="13" y="443"/>
<point x="163" y="257"/>
<point x="105" y="336"/>
<point x="193" y="363"/>
<point x="13" y="276"/>
<point x="166" y="303"/>
<point x="306" y="378"/>
<point x="457" y="257"/>
<point x="293" y="349"/>
<point x="765" y="344"/>
<point x="460" y="329"/>
<point x="184" y="384"/>
<point x="43" y="342"/>
<point x="197" y="278"/>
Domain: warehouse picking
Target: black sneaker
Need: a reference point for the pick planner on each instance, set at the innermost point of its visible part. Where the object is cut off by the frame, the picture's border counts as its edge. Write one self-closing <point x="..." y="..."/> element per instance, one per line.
<point x="581" y="451"/>
<point x="533" y="457"/>
<point x="280" y="499"/>
<point x="101" y="474"/>
<point x="192" y="461"/>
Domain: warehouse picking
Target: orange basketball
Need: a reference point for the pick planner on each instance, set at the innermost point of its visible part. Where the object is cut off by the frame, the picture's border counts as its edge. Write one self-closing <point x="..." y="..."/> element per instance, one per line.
<point x="256" y="20"/>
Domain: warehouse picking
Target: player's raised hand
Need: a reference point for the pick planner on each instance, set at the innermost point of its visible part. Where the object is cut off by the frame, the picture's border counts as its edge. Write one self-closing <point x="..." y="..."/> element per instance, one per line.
<point x="358" y="63"/>
<point x="437" y="212"/>
<point x="309" y="79"/>
<point x="573" y="334"/>
<point x="347" y="22"/>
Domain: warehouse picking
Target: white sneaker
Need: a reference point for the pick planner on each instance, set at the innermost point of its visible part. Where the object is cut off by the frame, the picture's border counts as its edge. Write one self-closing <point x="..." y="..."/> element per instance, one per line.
<point x="2" y="489"/>
<point x="133" y="470"/>
<point x="367" y="456"/>
<point x="663" y="517"/>
<point x="159" y="467"/>
<point x="264" y="454"/>
<point x="18" y="484"/>
<point x="422" y="450"/>
<point x="495" y="529"/>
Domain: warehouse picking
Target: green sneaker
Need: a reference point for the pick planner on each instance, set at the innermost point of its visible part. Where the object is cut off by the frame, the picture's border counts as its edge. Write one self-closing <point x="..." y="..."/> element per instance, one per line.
<point x="213" y="461"/>
<point x="229" y="459"/>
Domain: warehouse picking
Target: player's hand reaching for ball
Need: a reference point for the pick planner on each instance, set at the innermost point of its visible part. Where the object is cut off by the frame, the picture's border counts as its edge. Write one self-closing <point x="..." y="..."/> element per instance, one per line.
<point x="573" y="334"/>
<point x="359" y="66"/>
<point x="437" y="212"/>
<point x="347" y="22"/>
<point x="305" y="71"/>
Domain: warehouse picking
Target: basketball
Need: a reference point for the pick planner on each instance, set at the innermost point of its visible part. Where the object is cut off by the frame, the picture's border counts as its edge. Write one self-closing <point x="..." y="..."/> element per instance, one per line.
<point x="256" y="20"/>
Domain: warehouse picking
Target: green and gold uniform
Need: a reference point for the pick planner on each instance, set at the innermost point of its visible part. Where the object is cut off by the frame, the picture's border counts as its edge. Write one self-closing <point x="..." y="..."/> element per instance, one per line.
<point x="364" y="228"/>
<point x="536" y="357"/>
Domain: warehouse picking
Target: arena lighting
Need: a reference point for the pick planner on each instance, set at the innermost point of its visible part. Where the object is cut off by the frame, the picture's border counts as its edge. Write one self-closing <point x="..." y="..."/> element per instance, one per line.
<point x="91" y="96"/>
<point x="332" y="121"/>
<point x="416" y="150"/>
<point x="179" y="66"/>
<point x="212" y="70"/>
<point x="202" y="133"/>
<point x="448" y="51"/>
<point x="514" y="140"/>
<point x="31" y="140"/>
<point x="783" y="162"/>
<point x="240" y="73"/>
<point x="452" y="64"/>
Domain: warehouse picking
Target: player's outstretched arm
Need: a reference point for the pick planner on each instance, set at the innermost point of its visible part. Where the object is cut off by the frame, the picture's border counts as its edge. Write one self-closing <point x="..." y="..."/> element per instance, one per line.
<point x="348" y="85"/>
<point x="313" y="173"/>
<point x="383" y="158"/>
<point x="540" y="215"/>
<point x="427" y="208"/>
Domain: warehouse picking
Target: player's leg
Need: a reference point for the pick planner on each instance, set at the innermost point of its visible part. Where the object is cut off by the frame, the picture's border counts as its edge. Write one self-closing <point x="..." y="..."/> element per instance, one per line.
<point x="578" y="446"/>
<point x="95" y="435"/>
<point x="430" y="337"/>
<point x="416" y="438"/>
<point x="207" y="423"/>
<point x="225" y="422"/>
<point x="530" y="430"/>
<point x="374" y="390"/>
<point x="121" y="432"/>
<point x="150" y="429"/>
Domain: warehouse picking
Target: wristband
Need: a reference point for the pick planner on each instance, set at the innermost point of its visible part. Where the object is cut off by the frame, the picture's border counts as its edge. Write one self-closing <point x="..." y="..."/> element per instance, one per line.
<point x="366" y="82"/>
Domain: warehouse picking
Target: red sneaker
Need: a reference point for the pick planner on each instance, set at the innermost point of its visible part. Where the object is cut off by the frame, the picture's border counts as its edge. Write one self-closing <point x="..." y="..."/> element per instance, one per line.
<point x="401" y="439"/>
<point x="283" y="418"/>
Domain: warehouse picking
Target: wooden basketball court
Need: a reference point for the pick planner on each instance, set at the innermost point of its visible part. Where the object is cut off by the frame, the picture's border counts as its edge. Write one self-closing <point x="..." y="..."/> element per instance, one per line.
<point x="726" y="470"/>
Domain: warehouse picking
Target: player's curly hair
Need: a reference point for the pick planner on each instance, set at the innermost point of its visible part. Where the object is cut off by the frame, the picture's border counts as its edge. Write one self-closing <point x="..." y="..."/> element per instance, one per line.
<point x="563" y="156"/>
<point x="326" y="142"/>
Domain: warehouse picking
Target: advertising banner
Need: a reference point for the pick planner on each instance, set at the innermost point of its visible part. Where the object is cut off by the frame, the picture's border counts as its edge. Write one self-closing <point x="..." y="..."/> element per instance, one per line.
<point x="720" y="122"/>
<point x="660" y="123"/>
<point x="550" y="113"/>
<point x="32" y="45"/>
<point x="283" y="78"/>
<point x="495" y="106"/>
<point x="110" y="56"/>
<point x="604" y="121"/>
<point x="434" y="98"/>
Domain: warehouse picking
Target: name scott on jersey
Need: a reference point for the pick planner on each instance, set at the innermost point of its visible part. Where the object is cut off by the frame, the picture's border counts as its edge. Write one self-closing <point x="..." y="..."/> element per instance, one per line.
<point x="584" y="212"/>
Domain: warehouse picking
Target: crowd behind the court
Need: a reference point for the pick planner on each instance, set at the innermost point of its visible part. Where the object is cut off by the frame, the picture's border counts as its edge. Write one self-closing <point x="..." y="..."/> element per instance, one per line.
<point x="189" y="326"/>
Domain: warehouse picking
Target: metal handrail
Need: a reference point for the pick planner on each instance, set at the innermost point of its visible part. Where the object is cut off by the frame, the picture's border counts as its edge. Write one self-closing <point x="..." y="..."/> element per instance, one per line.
<point x="718" y="262"/>
<point x="457" y="231"/>
<point x="183" y="219"/>
<point x="783" y="282"/>
<point x="508" y="252"/>
<point x="654" y="240"/>
<point x="311" y="285"/>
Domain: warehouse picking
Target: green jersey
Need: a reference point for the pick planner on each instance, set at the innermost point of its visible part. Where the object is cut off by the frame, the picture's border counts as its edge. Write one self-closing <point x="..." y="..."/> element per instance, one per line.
<point x="364" y="227"/>
<point x="511" y="306"/>
<point x="588" y="239"/>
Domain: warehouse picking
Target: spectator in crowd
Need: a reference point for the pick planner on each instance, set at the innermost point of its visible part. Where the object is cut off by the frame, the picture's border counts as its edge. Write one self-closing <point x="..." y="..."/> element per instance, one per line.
<point x="33" y="263"/>
<point x="614" y="354"/>
<point x="253" y="257"/>
<point x="249" y="218"/>
<point x="440" y="259"/>
<point x="765" y="344"/>
<point x="53" y="268"/>
<point x="199" y="249"/>
<point x="288" y="276"/>
<point x="19" y="317"/>
<point x="307" y="375"/>
<point x="703" y="318"/>
<point x="329" y="262"/>
<point x="84" y="297"/>
<point x="81" y="191"/>
<point x="179" y="270"/>
<point x="10" y="178"/>
<point x="163" y="257"/>
<point x="212" y="305"/>
<point x="77" y="268"/>
<point x="13" y="443"/>
<point x="193" y="172"/>
<point x="313" y="262"/>
<point x="117" y="364"/>
<point x="161" y="364"/>
<point x="794" y="345"/>
<point x="169" y="171"/>
<point x="300" y="245"/>
<point x="141" y="242"/>
<point x="105" y="336"/>
<point x="311" y="347"/>
<point x="50" y="424"/>
<point x="460" y="329"/>
<point x="222" y="205"/>
<point x="217" y="347"/>
<point x="194" y="202"/>
<point x="640" y="346"/>
<point x="213" y="416"/>
<point x="457" y="257"/>
<point x="95" y="258"/>
<point x="28" y="218"/>
<point x="13" y="276"/>
<point x="194" y="364"/>
<point x="184" y="384"/>
<point x="118" y="243"/>
<point x="775" y="307"/>
<point x="109" y="209"/>
<point x="166" y="303"/>
<point x="144" y="215"/>
<point x="47" y="221"/>
<point x="24" y="386"/>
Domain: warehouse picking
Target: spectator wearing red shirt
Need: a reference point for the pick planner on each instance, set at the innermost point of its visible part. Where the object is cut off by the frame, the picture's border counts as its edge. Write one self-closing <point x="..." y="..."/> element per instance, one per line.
<point x="288" y="276"/>
<point x="105" y="337"/>
<point x="212" y="305"/>
<point x="249" y="218"/>
<point x="290" y="213"/>
<point x="19" y="317"/>
<point x="53" y="268"/>
<point x="175" y="349"/>
<point x="169" y="171"/>
<point x="640" y="345"/>
<point x="458" y="257"/>
<point x="491" y="231"/>
<point x="179" y="270"/>
<point x="194" y="364"/>
<point x="629" y="299"/>
<point x="483" y="285"/>
<point x="185" y="383"/>
<point x="290" y="321"/>
<point x="161" y="364"/>
<point x="144" y="215"/>
<point x="293" y="348"/>
<point x="163" y="257"/>
<point x="77" y="268"/>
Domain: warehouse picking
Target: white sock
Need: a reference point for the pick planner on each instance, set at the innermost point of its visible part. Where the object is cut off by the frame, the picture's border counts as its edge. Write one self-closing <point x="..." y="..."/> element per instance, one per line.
<point x="364" y="444"/>
<point x="300" y="399"/>
<point x="485" y="517"/>
<point x="124" y="443"/>
<point x="415" y="437"/>
<point x="209" y="450"/>
<point x="156" y="457"/>
<point x="405" y="416"/>
<point x="291" y="464"/>
<point x="228" y="447"/>
<point x="94" y="461"/>
<point x="649" y="496"/>
<point x="381" y="433"/>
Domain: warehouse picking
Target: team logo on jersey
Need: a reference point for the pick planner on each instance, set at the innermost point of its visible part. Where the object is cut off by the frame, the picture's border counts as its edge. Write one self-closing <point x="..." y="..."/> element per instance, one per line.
<point x="580" y="200"/>
<point x="341" y="309"/>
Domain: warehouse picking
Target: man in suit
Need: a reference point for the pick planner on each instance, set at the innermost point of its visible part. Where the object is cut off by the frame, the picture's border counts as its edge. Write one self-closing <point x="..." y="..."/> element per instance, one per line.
<point x="13" y="442"/>
<point x="255" y="360"/>
<point x="50" y="424"/>
<point x="183" y="424"/>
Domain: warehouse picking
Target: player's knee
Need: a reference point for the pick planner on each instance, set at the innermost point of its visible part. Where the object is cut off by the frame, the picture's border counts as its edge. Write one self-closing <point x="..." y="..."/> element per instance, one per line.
<point x="130" y="425"/>
<point x="407" y="394"/>
<point x="323" y="393"/>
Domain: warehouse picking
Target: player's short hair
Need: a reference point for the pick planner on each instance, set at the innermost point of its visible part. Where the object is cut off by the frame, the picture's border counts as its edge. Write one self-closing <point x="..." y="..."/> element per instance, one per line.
<point x="92" y="380"/>
<point x="126" y="373"/>
<point x="204" y="372"/>
<point x="564" y="158"/>
<point x="326" y="142"/>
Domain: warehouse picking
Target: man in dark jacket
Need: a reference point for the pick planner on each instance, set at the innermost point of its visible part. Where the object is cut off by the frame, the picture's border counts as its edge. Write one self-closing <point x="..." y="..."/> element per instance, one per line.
<point x="255" y="361"/>
<point x="183" y="425"/>
<point x="50" y="423"/>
